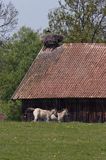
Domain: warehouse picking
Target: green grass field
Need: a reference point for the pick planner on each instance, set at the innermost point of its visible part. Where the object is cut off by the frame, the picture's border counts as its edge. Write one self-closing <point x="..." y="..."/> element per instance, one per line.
<point x="52" y="141"/>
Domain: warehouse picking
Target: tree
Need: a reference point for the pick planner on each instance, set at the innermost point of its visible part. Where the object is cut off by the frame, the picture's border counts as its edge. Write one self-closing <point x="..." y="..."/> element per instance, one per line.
<point x="8" y="19"/>
<point x="16" y="58"/>
<point x="80" y="20"/>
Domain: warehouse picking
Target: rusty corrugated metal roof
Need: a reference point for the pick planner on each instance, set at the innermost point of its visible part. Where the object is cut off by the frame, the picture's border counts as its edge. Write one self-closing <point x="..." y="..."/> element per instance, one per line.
<point x="71" y="70"/>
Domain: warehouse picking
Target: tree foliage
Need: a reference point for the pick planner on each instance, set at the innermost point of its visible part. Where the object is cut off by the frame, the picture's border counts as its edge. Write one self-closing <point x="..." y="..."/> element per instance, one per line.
<point x="8" y="19"/>
<point x="80" y="20"/>
<point x="16" y="58"/>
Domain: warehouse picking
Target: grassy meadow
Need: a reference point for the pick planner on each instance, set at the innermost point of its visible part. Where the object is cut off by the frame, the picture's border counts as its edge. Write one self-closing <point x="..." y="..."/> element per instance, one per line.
<point x="52" y="141"/>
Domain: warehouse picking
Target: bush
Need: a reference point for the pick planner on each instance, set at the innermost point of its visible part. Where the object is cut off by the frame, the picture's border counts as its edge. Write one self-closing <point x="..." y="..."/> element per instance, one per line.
<point x="11" y="109"/>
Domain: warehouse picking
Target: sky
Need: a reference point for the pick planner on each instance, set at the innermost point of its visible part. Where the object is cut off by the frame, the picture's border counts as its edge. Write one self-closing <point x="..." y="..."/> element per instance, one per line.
<point x="33" y="13"/>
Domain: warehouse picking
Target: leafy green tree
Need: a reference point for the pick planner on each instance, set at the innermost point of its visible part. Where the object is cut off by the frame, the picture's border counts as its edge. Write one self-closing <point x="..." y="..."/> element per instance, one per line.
<point x="80" y="20"/>
<point x="16" y="58"/>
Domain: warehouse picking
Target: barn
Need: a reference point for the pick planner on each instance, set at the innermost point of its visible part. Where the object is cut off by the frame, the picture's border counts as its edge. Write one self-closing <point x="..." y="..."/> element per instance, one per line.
<point x="69" y="76"/>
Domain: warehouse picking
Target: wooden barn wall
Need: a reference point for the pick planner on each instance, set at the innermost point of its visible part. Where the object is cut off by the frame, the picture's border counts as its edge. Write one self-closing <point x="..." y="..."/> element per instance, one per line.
<point x="80" y="109"/>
